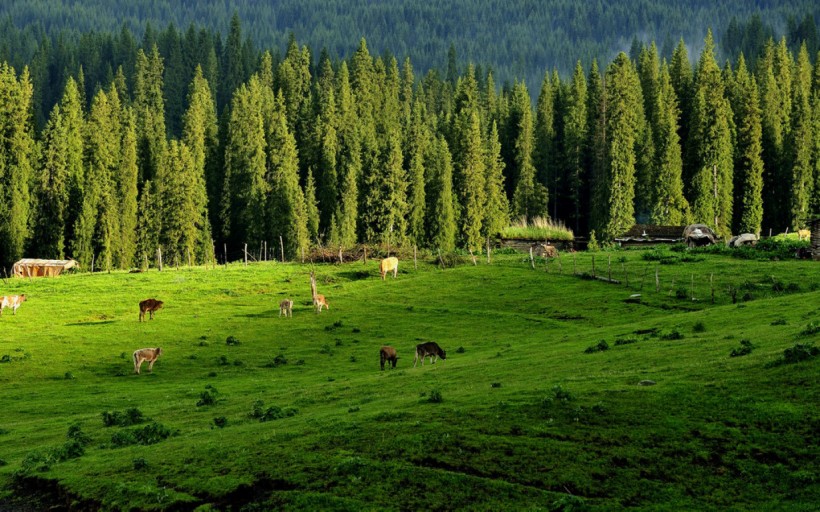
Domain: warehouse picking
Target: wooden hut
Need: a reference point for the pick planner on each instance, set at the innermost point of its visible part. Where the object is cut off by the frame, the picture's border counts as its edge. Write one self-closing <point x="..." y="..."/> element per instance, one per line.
<point x="30" y="267"/>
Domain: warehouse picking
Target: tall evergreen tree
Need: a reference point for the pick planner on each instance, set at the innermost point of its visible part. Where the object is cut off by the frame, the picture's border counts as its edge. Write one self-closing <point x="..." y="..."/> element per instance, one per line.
<point x="127" y="195"/>
<point x="441" y="225"/>
<point x="150" y="108"/>
<point x="183" y="208"/>
<point x="711" y="135"/>
<point x="497" y="209"/>
<point x="575" y="145"/>
<point x="815" y="102"/>
<point x="668" y="206"/>
<point x="52" y="188"/>
<point x="473" y="194"/>
<point x="800" y="144"/>
<point x="680" y="73"/>
<point x="311" y="208"/>
<point x="545" y="142"/>
<point x="417" y="141"/>
<point x="71" y="107"/>
<point x="530" y="197"/>
<point x="748" y="170"/>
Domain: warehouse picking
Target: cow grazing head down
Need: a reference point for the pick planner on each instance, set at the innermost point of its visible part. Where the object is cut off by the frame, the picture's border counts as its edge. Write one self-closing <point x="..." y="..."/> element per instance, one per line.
<point x="429" y="349"/>
<point x="388" y="264"/>
<point x="388" y="353"/>
<point x="151" y="306"/>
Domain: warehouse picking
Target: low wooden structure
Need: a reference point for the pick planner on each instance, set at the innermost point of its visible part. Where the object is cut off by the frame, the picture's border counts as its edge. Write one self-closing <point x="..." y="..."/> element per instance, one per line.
<point x="644" y="235"/>
<point x="31" y="267"/>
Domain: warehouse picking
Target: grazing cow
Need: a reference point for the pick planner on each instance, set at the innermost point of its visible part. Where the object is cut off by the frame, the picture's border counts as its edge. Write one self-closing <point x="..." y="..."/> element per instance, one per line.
<point x="319" y="301"/>
<point x="388" y="264"/>
<point x="151" y="306"/>
<point x="803" y="234"/>
<point x="11" y="301"/>
<point x="286" y="307"/>
<point x="146" y="354"/>
<point x="430" y="349"/>
<point x="388" y="353"/>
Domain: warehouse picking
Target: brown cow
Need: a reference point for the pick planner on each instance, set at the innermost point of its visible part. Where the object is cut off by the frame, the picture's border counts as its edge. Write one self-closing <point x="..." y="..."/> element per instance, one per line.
<point x="430" y="349"/>
<point x="146" y="354"/>
<point x="387" y="353"/>
<point x="319" y="300"/>
<point x="151" y="306"/>
<point x="11" y="301"/>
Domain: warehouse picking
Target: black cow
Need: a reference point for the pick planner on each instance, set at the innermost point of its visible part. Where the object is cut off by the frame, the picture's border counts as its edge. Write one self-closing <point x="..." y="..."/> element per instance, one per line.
<point x="430" y="349"/>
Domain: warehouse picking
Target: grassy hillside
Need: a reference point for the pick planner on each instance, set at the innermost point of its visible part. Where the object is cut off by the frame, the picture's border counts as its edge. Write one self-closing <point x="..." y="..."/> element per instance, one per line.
<point x="523" y="414"/>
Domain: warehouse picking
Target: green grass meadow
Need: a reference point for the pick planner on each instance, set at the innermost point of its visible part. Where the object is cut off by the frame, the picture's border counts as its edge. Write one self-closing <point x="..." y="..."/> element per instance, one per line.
<point x="526" y="413"/>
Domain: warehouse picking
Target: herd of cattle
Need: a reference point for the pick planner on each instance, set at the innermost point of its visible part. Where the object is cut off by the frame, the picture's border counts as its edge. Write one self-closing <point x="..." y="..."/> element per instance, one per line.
<point x="387" y="354"/>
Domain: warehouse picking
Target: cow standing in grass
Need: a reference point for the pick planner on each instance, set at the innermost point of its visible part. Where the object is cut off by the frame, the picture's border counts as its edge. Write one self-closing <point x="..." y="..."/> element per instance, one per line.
<point x="11" y="301"/>
<point x="431" y="350"/>
<point x="388" y="354"/>
<point x="388" y="264"/>
<point x="146" y="354"/>
<point x="286" y="307"/>
<point x="151" y="306"/>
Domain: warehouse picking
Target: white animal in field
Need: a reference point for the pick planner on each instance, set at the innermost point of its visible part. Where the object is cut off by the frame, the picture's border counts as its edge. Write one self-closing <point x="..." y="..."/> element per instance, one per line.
<point x="11" y="301"/>
<point x="388" y="264"/>
<point x="286" y="307"/>
<point x="319" y="301"/>
<point x="146" y="354"/>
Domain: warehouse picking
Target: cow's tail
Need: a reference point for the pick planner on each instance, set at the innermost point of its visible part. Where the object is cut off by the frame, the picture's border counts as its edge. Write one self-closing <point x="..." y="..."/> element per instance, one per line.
<point x="134" y="359"/>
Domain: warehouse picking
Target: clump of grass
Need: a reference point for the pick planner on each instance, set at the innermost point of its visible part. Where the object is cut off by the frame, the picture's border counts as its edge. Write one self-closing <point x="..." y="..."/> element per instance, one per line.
<point x="811" y="329"/>
<point x="150" y="434"/>
<point x="435" y="397"/>
<point x="220" y="422"/>
<point x="131" y="416"/>
<point x="561" y="394"/>
<point x="779" y="321"/>
<point x="273" y="412"/>
<point x="699" y="327"/>
<point x="231" y="341"/>
<point x="626" y="341"/>
<point x="672" y="335"/>
<point x="140" y="464"/>
<point x="537" y="228"/>
<point x="460" y="350"/>
<point x="745" y="348"/>
<point x="798" y="353"/>
<point x="495" y="385"/>
<point x="207" y="397"/>
<point x="598" y="347"/>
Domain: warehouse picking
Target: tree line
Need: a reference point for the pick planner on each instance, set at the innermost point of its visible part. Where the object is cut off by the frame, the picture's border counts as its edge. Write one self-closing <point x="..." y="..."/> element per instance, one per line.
<point x="361" y="150"/>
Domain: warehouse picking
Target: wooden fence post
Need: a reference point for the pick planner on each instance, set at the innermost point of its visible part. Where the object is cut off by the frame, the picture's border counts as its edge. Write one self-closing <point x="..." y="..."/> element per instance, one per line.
<point x="246" y="254"/>
<point x="609" y="266"/>
<point x="657" y="281"/>
<point x="341" y="259"/>
<point x="282" y="248"/>
<point x="532" y="260"/>
<point x="159" y="258"/>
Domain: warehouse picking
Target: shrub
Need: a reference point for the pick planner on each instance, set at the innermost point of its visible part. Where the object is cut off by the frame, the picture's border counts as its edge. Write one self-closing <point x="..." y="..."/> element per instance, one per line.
<point x="537" y="228"/>
<point x="568" y="503"/>
<point x="495" y="385"/>
<point x="221" y="421"/>
<point x="76" y="433"/>
<point x="681" y="292"/>
<point x="152" y="433"/>
<point x="745" y="348"/>
<point x="811" y="328"/>
<point x="231" y="341"/>
<point x="69" y="376"/>
<point x="435" y="397"/>
<point x="208" y="397"/>
<point x="131" y="416"/>
<point x="599" y="347"/>
<point x="626" y="341"/>
<point x="561" y="394"/>
<point x="460" y="350"/>
<point x="223" y="361"/>
<point x="3" y="463"/>
<point x="779" y="321"/>
<point x="140" y="464"/>
<point x="796" y="354"/>
<point x="673" y="335"/>
<point x="699" y="327"/>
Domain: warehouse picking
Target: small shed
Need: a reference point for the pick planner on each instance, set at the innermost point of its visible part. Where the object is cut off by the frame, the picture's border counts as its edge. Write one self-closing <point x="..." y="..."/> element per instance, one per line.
<point x="699" y="234"/>
<point x="815" y="239"/>
<point x="31" y="267"/>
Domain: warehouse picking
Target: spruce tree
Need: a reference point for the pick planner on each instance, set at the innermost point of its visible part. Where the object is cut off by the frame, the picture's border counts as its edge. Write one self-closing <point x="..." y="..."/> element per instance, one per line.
<point x="711" y="135"/>
<point x="497" y="209"/>
<point x="544" y="152"/>
<point x="150" y="107"/>
<point x="473" y="194"/>
<point x="52" y="188"/>
<point x="417" y="141"/>
<point x="182" y="209"/>
<point x="530" y="197"/>
<point x="815" y="205"/>
<point x="576" y="134"/>
<point x="748" y="151"/>
<point x="312" y="208"/>
<point x="680" y="73"/>
<point x="127" y="194"/>
<point x="668" y="206"/>
<point x="441" y="225"/>
<point x="800" y="144"/>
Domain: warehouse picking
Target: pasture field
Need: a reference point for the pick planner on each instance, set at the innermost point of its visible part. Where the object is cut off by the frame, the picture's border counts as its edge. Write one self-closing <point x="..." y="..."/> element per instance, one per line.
<point x="538" y="406"/>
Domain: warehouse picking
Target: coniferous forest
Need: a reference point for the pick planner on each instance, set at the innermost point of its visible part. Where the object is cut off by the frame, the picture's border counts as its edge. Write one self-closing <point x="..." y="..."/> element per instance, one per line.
<point x="114" y="145"/>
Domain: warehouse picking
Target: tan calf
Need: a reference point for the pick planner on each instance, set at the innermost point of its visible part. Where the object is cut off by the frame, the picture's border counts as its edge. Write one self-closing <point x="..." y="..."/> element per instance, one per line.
<point x="146" y="354"/>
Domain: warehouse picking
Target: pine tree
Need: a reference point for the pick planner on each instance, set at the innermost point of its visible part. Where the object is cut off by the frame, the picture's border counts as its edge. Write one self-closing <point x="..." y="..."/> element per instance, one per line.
<point x="668" y="206"/>
<point x="417" y="141"/>
<point x="680" y="73"/>
<point x="711" y="136"/>
<point x="127" y="194"/>
<point x="497" y="210"/>
<point x="440" y="213"/>
<point x="74" y="126"/>
<point x="52" y="188"/>
<point x="530" y="197"/>
<point x="621" y="120"/>
<point x="645" y="169"/>
<point x="311" y="208"/>
<point x="576" y="135"/>
<point x="815" y="206"/>
<point x="545" y="140"/>
<point x="800" y="144"/>
<point x="748" y="151"/>
<point x="473" y="194"/>
<point x="181" y="214"/>
<point x="150" y="108"/>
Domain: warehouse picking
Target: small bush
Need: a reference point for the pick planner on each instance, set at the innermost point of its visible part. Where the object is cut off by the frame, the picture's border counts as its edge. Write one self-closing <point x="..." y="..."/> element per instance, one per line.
<point x="208" y="397"/>
<point x="76" y="433"/>
<point x="5" y="358"/>
<point x="673" y="335"/>
<point x="460" y="350"/>
<point x="220" y="421"/>
<point x="495" y="385"/>
<point x="598" y="347"/>
<point x="231" y="341"/>
<point x="798" y="353"/>
<point x="140" y="464"/>
<point x="152" y="433"/>
<point x="561" y="394"/>
<point x="626" y="341"/>
<point x="352" y="359"/>
<point x="811" y="329"/>
<point x="3" y="463"/>
<point x="745" y="348"/>
<point x="779" y="321"/>
<point x="131" y="416"/>
<point x="451" y="260"/>
<point x="568" y="503"/>
<point x="356" y="330"/>
<point x="353" y="409"/>
<point x="681" y="293"/>
<point x="69" y="376"/>
<point x="699" y="327"/>
<point x="223" y="361"/>
<point x="435" y="397"/>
